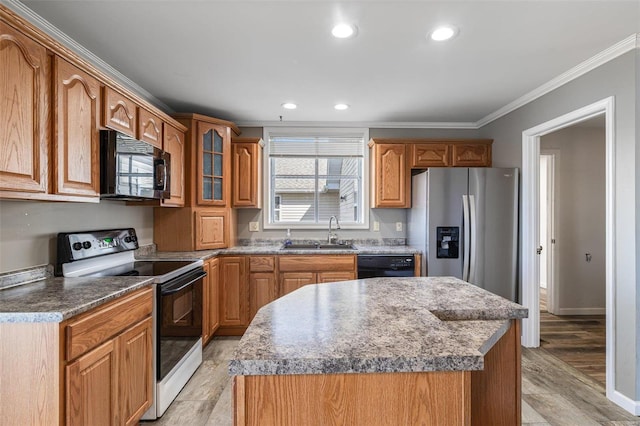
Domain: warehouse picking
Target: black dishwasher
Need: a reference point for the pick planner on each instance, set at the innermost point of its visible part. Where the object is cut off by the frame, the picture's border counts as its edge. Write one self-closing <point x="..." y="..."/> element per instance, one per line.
<point x="384" y="265"/>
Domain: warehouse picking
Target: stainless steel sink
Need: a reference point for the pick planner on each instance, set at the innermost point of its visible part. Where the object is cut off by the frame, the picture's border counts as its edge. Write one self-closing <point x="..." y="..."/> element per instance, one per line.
<point x="318" y="246"/>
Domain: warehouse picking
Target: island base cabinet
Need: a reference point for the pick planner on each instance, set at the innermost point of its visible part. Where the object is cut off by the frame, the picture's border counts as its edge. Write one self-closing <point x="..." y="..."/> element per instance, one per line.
<point x="435" y="398"/>
<point x="469" y="398"/>
<point x="496" y="390"/>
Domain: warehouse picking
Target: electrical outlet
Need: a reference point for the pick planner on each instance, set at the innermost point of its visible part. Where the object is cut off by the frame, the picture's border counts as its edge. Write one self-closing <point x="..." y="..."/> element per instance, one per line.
<point x="254" y="227"/>
<point x="399" y="226"/>
<point x="376" y="226"/>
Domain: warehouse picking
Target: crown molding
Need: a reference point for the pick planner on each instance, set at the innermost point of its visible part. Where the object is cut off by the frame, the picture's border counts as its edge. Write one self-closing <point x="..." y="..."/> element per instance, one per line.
<point x="618" y="49"/>
<point x="367" y="124"/>
<point x="626" y="45"/>
<point x="53" y="32"/>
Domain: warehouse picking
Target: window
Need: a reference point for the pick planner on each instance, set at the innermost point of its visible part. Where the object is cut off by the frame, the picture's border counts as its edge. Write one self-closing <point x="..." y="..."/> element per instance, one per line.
<point x="314" y="174"/>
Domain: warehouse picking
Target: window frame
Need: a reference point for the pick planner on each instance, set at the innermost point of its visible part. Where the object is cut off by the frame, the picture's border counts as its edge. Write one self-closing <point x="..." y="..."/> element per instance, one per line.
<point x="313" y="132"/>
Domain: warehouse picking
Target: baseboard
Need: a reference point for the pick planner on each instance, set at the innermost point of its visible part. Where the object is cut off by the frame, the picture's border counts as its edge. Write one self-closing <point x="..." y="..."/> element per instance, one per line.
<point x="580" y="311"/>
<point x="625" y="402"/>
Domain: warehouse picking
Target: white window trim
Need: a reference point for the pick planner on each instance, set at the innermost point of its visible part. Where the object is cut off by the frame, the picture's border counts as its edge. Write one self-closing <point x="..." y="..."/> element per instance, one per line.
<point x="307" y="131"/>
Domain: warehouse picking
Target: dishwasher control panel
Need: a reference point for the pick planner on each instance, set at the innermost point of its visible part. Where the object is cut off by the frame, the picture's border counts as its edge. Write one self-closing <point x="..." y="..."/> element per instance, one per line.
<point x="384" y="265"/>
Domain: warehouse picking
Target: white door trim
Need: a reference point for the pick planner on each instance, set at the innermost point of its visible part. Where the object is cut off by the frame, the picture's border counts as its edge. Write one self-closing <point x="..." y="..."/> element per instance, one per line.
<point x="530" y="224"/>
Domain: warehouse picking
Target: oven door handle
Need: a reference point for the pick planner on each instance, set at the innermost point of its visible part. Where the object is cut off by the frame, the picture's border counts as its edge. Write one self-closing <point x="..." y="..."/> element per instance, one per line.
<point x="179" y="286"/>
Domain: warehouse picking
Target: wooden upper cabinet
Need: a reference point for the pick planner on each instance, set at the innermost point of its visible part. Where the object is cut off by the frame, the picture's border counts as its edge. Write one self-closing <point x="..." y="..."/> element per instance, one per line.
<point x="149" y="128"/>
<point x="246" y="167"/>
<point x="25" y="87"/>
<point x="212" y="229"/>
<point x="174" y="145"/>
<point x="472" y="155"/>
<point x="212" y="169"/>
<point x="119" y="112"/>
<point x="77" y="144"/>
<point x="391" y="176"/>
<point x="430" y="155"/>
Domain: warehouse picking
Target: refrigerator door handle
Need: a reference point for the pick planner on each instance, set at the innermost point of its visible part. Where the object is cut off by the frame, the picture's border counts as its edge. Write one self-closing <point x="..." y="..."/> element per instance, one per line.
<point x="473" y="249"/>
<point x="467" y="243"/>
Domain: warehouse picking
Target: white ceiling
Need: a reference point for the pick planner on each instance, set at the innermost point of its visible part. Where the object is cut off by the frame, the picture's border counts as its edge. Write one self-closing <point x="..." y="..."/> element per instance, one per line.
<point x="240" y="60"/>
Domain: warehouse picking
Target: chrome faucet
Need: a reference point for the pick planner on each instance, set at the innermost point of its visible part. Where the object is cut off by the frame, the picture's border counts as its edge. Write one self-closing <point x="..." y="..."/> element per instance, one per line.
<point x="332" y="238"/>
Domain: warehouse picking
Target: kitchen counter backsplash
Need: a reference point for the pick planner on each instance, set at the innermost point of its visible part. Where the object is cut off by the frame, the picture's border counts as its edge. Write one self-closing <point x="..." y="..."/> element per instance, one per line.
<point x="24" y="276"/>
<point x="261" y="242"/>
<point x="145" y="250"/>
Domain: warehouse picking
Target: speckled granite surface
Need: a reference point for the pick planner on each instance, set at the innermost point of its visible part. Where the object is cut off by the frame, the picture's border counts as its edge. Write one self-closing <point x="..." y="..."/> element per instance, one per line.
<point x="277" y="249"/>
<point x="35" y="296"/>
<point x="56" y="299"/>
<point x="375" y="325"/>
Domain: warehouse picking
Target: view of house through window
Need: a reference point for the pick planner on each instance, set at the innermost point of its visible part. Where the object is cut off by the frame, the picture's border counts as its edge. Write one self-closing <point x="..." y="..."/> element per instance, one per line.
<point x="313" y="177"/>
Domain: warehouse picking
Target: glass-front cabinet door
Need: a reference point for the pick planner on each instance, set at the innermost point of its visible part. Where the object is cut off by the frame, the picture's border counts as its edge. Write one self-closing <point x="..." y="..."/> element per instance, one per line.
<point x="212" y="164"/>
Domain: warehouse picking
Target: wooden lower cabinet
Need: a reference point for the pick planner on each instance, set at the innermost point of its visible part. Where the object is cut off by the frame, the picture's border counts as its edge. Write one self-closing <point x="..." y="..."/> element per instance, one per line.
<point x="210" y="300"/>
<point x="92" y="369"/>
<point x="262" y="290"/>
<point x="136" y="381"/>
<point x="110" y="383"/>
<point x="234" y="297"/>
<point x="291" y="281"/>
<point x="296" y="271"/>
<point x="247" y="283"/>
<point x="333" y="276"/>
<point x="92" y="387"/>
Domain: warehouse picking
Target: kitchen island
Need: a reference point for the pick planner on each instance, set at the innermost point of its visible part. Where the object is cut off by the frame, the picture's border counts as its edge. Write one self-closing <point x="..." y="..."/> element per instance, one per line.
<point x="381" y="351"/>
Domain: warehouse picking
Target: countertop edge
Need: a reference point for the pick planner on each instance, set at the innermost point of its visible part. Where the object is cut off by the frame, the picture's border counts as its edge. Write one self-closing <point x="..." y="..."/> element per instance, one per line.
<point x="356" y="366"/>
<point x="57" y="316"/>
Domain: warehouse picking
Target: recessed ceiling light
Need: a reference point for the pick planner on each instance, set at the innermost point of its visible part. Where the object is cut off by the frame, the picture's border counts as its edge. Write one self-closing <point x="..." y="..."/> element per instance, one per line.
<point x="443" y="33"/>
<point x="344" y="31"/>
<point x="341" y="107"/>
<point x="289" y="105"/>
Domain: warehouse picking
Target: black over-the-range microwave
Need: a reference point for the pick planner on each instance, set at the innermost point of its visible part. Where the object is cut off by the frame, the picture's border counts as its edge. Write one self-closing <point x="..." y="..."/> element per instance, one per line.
<point x="131" y="169"/>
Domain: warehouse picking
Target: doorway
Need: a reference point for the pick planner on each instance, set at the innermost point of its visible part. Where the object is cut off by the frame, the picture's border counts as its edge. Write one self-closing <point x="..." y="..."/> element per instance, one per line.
<point x="530" y="224"/>
<point x="572" y="272"/>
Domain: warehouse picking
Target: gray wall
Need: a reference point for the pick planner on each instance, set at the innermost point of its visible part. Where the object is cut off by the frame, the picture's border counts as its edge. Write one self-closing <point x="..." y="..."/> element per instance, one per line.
<point x="616" y="78"/>
<point x="28" y="229"/>
<point x="580" y="218"/>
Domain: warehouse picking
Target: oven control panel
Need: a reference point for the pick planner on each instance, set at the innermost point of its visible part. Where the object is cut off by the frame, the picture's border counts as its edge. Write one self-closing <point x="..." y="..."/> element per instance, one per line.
<point x="74" y="246"/>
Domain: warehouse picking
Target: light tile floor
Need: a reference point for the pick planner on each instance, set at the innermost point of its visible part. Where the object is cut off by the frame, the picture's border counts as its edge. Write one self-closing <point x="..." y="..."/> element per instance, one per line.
<point x="553" y="394"/>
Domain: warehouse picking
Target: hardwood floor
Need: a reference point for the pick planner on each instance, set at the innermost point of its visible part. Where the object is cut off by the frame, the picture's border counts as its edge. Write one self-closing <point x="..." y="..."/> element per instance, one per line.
<point x="553" y="393"/>
<point x="577" y="340"/>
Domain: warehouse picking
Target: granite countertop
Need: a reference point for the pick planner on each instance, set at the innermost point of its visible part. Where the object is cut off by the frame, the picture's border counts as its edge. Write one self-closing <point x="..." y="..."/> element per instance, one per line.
<point x="56" y="299"/>
<point x="277" y="249"/>
<point x="49" y="299"/>
<point x="375" y="325"/>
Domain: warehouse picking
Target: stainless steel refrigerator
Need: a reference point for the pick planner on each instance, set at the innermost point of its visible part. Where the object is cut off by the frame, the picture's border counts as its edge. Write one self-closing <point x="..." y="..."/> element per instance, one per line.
<point x="465" y="220"/>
